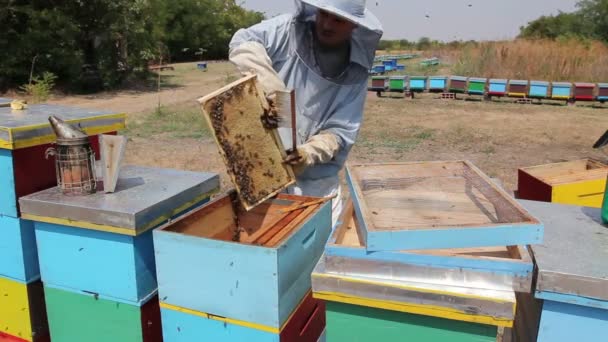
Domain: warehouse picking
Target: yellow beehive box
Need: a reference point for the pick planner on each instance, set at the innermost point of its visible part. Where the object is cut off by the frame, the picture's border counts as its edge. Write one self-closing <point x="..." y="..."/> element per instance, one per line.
<point x="579" y="182"/>
<point x="22" y="311"/>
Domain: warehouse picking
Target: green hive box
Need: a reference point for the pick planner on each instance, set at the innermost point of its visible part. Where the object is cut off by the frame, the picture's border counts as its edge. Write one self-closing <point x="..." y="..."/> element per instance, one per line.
<point x="347" y="322"/>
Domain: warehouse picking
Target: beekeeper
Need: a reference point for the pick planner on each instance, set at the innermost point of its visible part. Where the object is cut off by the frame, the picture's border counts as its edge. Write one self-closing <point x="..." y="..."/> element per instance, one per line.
<point x="324" y="52"/>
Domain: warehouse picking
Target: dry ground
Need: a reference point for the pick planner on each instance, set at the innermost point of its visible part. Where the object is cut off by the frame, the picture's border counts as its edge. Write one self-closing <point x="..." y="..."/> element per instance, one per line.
<point x="497" y="137"/>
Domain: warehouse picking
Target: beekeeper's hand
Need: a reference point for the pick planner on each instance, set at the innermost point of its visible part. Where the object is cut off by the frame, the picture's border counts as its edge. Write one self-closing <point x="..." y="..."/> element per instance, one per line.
<point x="319" y="149"/>
<point x="252" y="57"/>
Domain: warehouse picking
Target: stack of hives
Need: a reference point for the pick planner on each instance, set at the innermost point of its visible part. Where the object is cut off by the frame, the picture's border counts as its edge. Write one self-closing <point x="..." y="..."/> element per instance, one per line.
<point x="24" y="137"/>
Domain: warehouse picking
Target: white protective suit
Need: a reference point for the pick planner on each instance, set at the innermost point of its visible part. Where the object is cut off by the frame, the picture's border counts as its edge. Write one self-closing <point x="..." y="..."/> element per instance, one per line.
<point x="280" y="51"/>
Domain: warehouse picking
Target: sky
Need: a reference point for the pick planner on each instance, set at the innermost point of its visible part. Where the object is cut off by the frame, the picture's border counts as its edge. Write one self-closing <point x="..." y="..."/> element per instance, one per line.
<point x="448" y="19"/>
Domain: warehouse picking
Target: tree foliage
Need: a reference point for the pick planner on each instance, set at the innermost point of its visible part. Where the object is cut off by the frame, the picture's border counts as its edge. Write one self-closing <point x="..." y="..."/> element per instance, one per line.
<point x="93" y="44"/>
<point x="589" y="21"/>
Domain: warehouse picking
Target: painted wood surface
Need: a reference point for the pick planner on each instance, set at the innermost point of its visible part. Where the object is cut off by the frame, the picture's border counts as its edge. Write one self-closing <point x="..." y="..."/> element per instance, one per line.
<point x="497" y="87"/>
<point x="418" y="83"/>
<point x="572" y="299"/>
<point x="18" y="252"/>
<point x="437" y="83"/>
<point x="578" y="182"/>
<point x="458" y="84"/>
<point x="513" y="261"/>
<point x="477" y="86"/>
<point x="436" y="205"/>
<point x="356" y="323"/>
<point x="527" y="318"/>
<point x="584" y="91"/>
<point x="539" y="89"/>
<point x="77" y="317"/>
<point x="566" y="322"/>
<point x="115" y="266"/>
<point x="397" y="83"/>
<point x="22" y="311"/>
<point x="561" y="90"/>
<point x="26" y="171"/>
<point x="231" y="279"/>
<point x="181" y="325"/>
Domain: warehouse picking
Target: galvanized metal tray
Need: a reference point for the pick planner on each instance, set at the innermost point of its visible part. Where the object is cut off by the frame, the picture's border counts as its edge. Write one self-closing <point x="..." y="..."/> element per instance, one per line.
<point x="572" y="261"/>
<point x="461" y="303"/>
<point x="144" y="198"/>
<point x="30" y="127"/>
<point x="436" y="205"/>
<point x="252" y="153"/>
<point x="499" y="268"/>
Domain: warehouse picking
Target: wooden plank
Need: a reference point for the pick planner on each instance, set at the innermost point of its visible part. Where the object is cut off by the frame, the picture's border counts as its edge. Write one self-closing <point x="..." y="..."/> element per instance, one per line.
<point x="112" y="149"/>
<point x="253" y="154"/>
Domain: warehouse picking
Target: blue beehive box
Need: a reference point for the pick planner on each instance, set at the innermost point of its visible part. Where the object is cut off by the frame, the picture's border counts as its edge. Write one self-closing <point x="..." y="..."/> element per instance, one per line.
<point x="437" y="83"/>
<point x="497" y="87"/>
<point x="18" y="254"/>
<point x="602" y="92"/>
<point x="561" y="90"/>
<point x="102" y="243"/>
<point x="245" y="266"/>
<point x="539" y="89"/>
<point x="400" y="67"/>
<point x="201" y="66"/>
<point x="418" y="83"/>
<point x="572" y="273"/>
<point x="379" y="69"/>
<point x="394" y="216"/>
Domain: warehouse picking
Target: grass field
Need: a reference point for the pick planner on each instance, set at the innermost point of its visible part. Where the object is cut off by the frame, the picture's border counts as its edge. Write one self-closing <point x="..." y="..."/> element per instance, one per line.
<point x="497" y="137"/>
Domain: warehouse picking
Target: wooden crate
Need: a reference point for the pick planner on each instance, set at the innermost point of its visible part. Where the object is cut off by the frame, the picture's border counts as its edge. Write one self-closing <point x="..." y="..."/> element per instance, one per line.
<point x="518" y="88"/>
<point x="458" y="84"/>
<point x="436" y="205"/>
<point x="22" y="312"/>
<point x="501" y="268"/>
<point x="77" y="317"/>
<point x="359" y="323"/>
<point x="249" y="266"/>
<point x="305" y="324"/>
<point x="18" y="253"/>
<point x="477" y="86"/>
<point x="539" y="89"/>
<point x="497" y="87"/>
<point x="561" y="91"/>
<point x="578" y="182"/>
<point x="584" y="91"/>
<point x="252" y="153"/>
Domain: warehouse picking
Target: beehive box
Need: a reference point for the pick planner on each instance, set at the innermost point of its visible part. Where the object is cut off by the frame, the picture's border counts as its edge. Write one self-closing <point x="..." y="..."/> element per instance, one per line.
<point x="584" y="91"/>
<point x="102" y="243"/>
<point x="602" y="92"/>
<point x="252" y="153"/>
<point x="25" y="136"/>
<point x="497" y="87"/>
<point x="458" y="84"/>
<point x="437" y="83"/>
<point x="378" y="69"/>
<point x="572" y="273"/>
<point x="18" y="253"/>
<point x="397" y="83"/>
<point x="77" y="317"/>
<point x="518" y="88"/>
<point x="578" y="182"/>
<point x="393" y="308"/>
<point x="435" y="205"/>
<point x="539" y="89"/>
<point x="22" y="312"/>
<point x="418" y="83"/>
<point x="251" y="266"/>
<point x="506" y="268"/>
<point x="477" y="86"/>
<point x="561" y="91"/>
<point x="379" y="83"/>
<point x="305" y="324"/>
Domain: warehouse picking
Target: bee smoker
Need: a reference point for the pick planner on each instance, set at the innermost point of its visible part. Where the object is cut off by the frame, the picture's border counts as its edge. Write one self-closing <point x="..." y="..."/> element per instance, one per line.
<point x="74" y="159"/>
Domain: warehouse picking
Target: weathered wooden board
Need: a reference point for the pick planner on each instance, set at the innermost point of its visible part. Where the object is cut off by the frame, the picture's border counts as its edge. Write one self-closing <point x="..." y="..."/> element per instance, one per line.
<point x="436" y="205"/>
<point x="112" y="153"/>
<point x="252" y="153"/>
